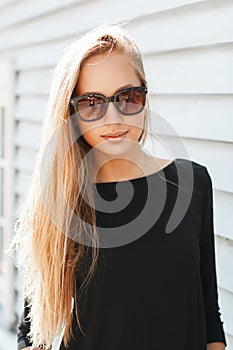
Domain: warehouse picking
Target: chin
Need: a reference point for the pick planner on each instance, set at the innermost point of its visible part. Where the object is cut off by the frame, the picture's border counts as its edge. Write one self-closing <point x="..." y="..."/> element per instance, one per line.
<point x="112" y="150"/>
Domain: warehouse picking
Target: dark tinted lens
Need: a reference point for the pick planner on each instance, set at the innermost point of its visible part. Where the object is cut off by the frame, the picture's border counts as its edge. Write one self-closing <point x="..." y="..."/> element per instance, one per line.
<point x="130" y="101"/>
<point x="91" y="107"/>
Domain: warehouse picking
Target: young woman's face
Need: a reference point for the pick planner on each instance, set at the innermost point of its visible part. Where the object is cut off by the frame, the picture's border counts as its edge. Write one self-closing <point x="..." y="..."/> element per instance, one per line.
<point x="106" y="75"/>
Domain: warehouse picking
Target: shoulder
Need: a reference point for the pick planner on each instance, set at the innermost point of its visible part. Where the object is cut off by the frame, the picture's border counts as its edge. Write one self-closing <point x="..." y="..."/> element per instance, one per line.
<point x="200" y="170"/>
<point x="197" y="174"/>
<point x="187" y="171"/>
<point x="188" y="165"/>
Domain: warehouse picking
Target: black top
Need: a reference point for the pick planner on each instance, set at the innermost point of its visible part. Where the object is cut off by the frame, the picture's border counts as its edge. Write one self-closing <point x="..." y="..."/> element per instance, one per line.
<point x="155" y="285"/>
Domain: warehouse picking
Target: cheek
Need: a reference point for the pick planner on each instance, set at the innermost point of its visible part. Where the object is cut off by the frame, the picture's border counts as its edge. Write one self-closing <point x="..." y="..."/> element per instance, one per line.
<point x="91" y="138"/>
<point x="138" y="123"/>
<point x="90" y="133"/>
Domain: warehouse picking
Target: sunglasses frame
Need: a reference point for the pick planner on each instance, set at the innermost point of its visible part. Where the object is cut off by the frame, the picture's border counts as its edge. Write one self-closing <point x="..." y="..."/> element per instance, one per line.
<point x="75" y="99"/>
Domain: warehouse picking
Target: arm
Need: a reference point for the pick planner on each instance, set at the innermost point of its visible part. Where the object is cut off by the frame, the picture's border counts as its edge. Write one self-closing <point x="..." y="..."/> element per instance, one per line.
<point x="214" y="326"/>
<point x="23" y="329"/>
<point x="216" y="346"/>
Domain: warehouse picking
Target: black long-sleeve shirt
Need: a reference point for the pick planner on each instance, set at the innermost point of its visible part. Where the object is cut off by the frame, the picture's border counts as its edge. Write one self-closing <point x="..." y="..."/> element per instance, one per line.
<point x="158" y="290"/>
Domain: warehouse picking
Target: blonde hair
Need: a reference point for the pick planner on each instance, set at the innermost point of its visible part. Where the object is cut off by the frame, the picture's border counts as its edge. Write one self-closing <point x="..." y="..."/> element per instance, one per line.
<point x="43" y="242"/>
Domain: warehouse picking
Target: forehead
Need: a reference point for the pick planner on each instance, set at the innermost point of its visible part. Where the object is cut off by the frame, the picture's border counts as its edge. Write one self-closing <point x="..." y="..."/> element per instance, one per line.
<point x="106" y="73"/>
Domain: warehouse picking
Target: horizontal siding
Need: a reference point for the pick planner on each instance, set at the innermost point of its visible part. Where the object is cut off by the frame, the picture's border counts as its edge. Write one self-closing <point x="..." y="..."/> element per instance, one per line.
<point x="224" y="259"/>
<point x="24" y="11"/>
<point x="25" y="159"/>
<point x="28" y="135"/>
<point x="205" y="71"/>
<point x="227" y="307"/>
<point x="33" y="82"/>
<point x="216" y="156"/>
<point x="7" y="3"/>
<point x="22" y="183"/>
<point x="188" y="53"/>
<point x="208" y="23"/>
<point x="223" y="215"/>
<point x="196" y="115"/>
<point x="30" y="108"/>
<point x="82" y="17"/>
<point x="224" y="253"/>
<point x="160" y="24"/>
<point x="36" y="56"/>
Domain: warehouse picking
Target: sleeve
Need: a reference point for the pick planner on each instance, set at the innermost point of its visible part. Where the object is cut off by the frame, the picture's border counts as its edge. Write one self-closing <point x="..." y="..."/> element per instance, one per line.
<point x="214" y="325"/>
<point x="23" y="329"/>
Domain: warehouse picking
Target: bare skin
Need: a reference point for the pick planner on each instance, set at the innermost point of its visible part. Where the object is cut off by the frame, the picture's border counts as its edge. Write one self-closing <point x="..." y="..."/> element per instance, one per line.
<point x="153" y="165"/>
<point x="118" y="160"/>
<point x="216" y="346"/>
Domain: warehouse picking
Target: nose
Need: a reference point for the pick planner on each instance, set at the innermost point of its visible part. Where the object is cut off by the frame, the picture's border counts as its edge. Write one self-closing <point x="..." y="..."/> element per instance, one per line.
<point x="112" y="115"/>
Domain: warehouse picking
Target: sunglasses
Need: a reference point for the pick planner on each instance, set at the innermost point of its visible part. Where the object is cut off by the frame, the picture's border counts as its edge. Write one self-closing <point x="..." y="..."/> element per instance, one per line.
<point x="92" y="107"/>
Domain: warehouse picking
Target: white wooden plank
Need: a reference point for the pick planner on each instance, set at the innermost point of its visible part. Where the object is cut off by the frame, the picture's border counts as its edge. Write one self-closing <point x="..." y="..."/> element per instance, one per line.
<point x="217" y="156"/>
<point x="223" y="214"/>
<point x="30" y="108"/>
<point x="6" y="102"/>
<point x="26" y="10"/>
<point x="46" y="54"/>
<point x="226" y="302"/>
<point x="201" y="71"/>
<point x="22" y="184"/>
<point x="34" y="82"/>
<point x="7" y="3"/>
<point x="224" y="254"/>
<point x="19" y="199"/>
<point x="229" y="340"/>
<point x="198" y="116"/>
<point x="83" y="17"/>
<point x="28" y="135"/>
<point x="25" y="159"/>
<point x="23" y="11"/>
<point x="205" y="24"/>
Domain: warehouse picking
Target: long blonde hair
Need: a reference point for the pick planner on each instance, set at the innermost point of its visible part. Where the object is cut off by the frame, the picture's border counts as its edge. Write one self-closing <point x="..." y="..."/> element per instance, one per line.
<point x="43" y="242"/>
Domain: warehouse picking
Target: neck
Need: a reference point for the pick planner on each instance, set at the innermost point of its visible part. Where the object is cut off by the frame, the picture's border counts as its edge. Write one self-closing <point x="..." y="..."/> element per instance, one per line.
<point x="120" y="168"/>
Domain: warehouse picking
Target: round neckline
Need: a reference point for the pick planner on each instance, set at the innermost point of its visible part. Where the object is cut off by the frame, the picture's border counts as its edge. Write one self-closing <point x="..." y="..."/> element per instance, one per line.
<point x="137" y="178"/>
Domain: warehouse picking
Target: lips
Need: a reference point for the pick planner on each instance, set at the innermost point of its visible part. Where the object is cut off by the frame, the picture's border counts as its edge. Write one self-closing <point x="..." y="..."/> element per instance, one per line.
<point x="115" y="134"/>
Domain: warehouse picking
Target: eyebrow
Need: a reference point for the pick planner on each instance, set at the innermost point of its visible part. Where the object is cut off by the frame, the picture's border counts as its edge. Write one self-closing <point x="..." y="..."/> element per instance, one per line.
<point x="117" y="90"/>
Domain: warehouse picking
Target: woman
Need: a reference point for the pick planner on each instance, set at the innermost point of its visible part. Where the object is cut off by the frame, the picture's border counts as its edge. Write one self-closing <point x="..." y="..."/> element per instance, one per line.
<point x="102" y="270"/>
